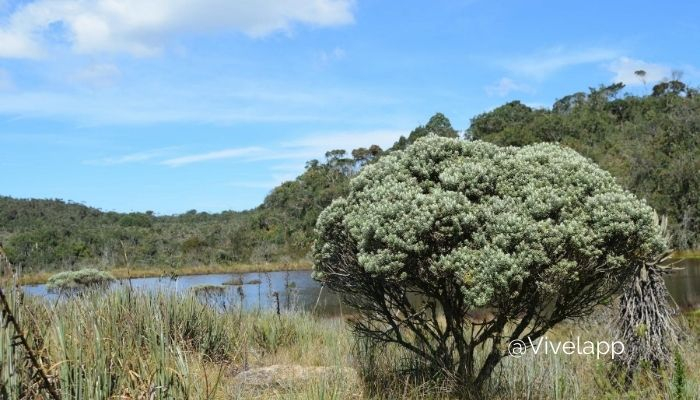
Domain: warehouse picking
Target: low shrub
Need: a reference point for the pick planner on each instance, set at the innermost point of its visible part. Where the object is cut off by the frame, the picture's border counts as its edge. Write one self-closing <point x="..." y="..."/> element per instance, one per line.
<point x="79" y="280"/>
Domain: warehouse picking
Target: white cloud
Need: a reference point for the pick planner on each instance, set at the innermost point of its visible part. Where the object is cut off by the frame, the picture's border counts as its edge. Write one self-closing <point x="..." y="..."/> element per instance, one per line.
<point x="130" y="158"/>
<point x="285" y="154"/>
<point x="254" y="184"/>
<point x="140" y="27"/>
<point x="275" y="180"/>
<point x="690" y="71"/>
<point x="542" y="64"/>
<point x="98" y="75"/>
<point x="213" y="155"/>
<point x="306" y="148"/>
<point x="505" y="86"/>
<point x="17" y="45"/>
<point x="155" y="105"/>
<point x="210" y="99"/>
<point x="285" y="167"/>
<point x="624" y="69"/>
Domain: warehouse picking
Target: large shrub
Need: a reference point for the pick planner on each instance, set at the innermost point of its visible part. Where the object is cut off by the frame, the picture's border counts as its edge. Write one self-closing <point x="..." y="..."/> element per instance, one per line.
<point x="531" y="236"/>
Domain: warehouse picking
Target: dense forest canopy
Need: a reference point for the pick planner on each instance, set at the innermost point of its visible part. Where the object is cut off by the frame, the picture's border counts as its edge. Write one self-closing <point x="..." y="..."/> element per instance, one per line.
<point x="649" y="143"/>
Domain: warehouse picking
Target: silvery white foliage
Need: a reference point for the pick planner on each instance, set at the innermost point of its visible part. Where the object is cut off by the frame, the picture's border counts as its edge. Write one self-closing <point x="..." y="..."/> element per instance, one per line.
<point x="488" y="217"/>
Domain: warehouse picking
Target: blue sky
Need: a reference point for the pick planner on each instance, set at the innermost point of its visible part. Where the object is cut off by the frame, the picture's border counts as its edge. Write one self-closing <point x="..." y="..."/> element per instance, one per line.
<point x="171" y="105"/>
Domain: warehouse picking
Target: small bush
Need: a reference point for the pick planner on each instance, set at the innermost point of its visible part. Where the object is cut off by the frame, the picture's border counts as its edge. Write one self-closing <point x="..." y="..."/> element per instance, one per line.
<point x="79" y="280"/>
<point x="679" y="378"/>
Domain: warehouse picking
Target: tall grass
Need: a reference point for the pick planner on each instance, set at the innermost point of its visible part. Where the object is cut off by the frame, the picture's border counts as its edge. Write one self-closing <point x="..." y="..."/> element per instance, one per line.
<point x="156" y="346"/>
<point x="125" y="344"/>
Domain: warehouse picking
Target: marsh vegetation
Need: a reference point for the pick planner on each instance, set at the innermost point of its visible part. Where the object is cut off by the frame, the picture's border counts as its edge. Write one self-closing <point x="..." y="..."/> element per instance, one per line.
<point x="166" y="346"/>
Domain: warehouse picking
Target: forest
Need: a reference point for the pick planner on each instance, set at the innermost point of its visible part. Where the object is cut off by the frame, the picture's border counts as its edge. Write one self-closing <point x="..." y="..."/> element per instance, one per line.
<point x="649" y="143"/>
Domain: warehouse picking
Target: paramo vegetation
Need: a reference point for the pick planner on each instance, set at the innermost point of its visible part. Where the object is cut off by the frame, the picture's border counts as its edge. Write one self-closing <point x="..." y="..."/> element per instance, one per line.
<point x="649" y="144"/>
<point x="536" y="235"/>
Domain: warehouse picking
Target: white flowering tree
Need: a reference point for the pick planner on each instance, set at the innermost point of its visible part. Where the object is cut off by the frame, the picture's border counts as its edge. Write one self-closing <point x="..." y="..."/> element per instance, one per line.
<point x="529" y="236"/>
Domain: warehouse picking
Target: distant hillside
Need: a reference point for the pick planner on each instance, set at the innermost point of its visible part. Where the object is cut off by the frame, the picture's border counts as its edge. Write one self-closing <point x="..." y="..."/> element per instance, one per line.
<point x="649" y="143"/>
<point x="54" y="234"/>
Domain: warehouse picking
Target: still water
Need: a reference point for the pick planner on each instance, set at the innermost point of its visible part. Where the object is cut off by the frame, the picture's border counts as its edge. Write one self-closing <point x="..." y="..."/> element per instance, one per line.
<point x="684" y="284"/>
<point x="297" y="290"/>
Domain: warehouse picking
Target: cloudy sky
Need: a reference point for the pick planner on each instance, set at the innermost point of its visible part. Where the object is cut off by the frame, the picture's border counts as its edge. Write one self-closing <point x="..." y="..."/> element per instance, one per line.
<point x="170" y="105"/>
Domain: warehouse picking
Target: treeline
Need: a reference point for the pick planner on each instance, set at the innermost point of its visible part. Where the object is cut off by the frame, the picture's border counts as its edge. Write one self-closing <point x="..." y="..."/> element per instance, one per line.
<point x="650" y="143"/>
<point x="55" y="234"/>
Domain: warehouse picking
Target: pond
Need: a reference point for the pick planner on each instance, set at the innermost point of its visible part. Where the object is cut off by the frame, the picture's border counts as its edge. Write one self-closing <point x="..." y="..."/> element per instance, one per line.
<point x="297" y="290"/>
<point x="684" y="284"/>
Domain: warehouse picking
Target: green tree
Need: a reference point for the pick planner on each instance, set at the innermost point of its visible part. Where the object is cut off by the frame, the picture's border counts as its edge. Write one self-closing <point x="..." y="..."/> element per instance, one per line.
<point x="438" y="125"/>
<point x="338" y="160"/>
<point x="514" y="114"/>
<point x="535" y="235"/>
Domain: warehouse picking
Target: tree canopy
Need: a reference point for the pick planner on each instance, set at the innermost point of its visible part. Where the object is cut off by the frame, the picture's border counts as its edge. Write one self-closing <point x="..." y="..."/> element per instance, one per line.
<point x="536" y="235"/>
<point x="438" y="125"/>
<point x="650" y="144"/>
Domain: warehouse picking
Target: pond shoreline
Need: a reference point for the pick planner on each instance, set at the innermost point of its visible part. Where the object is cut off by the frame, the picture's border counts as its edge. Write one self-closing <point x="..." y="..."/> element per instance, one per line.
<point x="258" y="285"/>
<point x="286" y="290"/>
<point x="41" y="277"/>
